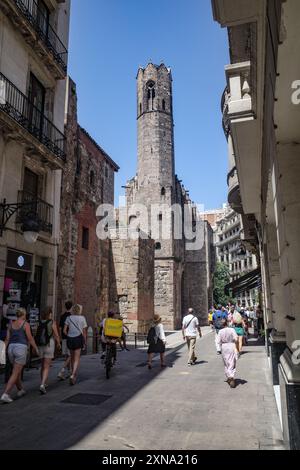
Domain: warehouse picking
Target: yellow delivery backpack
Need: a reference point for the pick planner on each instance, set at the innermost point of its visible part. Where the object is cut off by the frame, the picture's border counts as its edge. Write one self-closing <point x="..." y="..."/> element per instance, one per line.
<point x="113" y="328"/>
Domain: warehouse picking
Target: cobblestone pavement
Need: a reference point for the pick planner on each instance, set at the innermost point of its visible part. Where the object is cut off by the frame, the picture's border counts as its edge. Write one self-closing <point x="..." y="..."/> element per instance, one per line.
<point x="174" y="408"/>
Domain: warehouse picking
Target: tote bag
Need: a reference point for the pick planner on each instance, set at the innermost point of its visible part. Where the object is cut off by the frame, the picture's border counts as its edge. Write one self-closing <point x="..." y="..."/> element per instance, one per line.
<point x="2" y="353"/>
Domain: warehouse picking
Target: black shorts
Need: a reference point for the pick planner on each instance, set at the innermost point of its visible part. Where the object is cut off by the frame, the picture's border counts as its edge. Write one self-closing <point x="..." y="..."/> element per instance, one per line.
<point x="75" y="343"/>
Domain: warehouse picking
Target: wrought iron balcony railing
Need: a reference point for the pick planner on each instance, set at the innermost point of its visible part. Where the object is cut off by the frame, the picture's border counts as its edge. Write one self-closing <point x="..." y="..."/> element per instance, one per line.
<point x="36" y="17"/>
<point x="35" y="207"/>
<point x="14" y="103"/>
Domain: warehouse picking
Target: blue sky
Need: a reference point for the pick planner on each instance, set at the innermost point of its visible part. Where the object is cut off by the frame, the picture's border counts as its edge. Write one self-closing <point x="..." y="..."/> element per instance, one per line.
<point x="110" y="39"/>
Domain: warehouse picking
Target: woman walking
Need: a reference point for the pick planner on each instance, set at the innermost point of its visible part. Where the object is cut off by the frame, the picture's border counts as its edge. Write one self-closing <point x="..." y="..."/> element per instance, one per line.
<point x="157" y="341"/>
<point x="239" y="327"/>
<point x="228" y="341"/>
<point x="49" y="332"/>
<point x="76" y="330"/>
<point x="17" y="340"/>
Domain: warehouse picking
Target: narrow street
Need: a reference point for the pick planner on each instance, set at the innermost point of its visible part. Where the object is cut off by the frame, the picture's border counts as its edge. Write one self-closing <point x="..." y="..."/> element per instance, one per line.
<point x="175" y="408"/>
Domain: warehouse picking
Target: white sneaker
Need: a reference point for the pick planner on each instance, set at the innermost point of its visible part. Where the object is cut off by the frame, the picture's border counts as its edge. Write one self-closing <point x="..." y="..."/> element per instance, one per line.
<point x="21" y="393"/>
<point x="43" y="390"/>
<point x="6" y="398"/>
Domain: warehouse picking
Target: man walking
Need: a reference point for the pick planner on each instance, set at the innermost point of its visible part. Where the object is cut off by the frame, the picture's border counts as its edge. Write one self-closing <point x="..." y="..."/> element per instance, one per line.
<point x="190" y="326"/>
<point x="218" y="316"/>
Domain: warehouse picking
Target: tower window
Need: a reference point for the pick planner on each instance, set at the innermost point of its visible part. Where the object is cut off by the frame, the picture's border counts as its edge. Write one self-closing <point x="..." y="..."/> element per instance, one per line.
<point x="151" y="95"/>
<point x="163" y="191"/>
<point x="163" y="105"/>
<point x="141" y="108"/>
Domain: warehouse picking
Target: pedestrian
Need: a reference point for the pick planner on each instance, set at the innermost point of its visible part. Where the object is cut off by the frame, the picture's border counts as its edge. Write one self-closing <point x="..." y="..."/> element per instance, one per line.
<point x="260" y="320"/>
<point x="76" y="330"/>
<point x="210" y="318"/>
<point x="239" y="327"/>
<point x="157" y="341"/>
<point x="122" y="340"/>
<point x="218" y="316"/>
<point x="46" y="337"/>
<point x="190" y="328"/>
<point x="17" y="340"/>
<point x="64" y="348"/>
<point x="228" y="341"/>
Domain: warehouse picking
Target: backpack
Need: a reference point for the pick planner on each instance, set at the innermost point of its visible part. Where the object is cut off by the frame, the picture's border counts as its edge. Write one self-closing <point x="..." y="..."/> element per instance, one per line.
<point x="218" y="321"/>
<point x="43" y="335"/>
<point x="151" y="338"/>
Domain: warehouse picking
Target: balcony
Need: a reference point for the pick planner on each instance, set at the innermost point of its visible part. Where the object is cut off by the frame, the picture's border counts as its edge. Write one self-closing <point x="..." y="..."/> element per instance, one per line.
<point x="38" y="33"/>
<point x="237" y="100"/>
<point x="234" y="196"/>
<point x="42" y="211"/>
<point x="19" y="116"/>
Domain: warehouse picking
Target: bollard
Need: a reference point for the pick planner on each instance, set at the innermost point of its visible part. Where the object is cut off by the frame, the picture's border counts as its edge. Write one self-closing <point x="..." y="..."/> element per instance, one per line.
<point x="90" y="338"/>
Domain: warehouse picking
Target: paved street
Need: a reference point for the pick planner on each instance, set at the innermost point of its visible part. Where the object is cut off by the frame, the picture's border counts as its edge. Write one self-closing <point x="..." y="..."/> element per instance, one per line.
<point x="177" y="408"/>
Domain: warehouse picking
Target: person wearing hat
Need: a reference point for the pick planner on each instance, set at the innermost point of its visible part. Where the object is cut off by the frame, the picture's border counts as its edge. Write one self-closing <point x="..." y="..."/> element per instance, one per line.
<point x="157" y="341"/>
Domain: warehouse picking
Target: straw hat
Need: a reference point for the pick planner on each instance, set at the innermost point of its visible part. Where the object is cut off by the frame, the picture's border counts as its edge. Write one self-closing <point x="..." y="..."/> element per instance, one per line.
<point x="157" y="319"/>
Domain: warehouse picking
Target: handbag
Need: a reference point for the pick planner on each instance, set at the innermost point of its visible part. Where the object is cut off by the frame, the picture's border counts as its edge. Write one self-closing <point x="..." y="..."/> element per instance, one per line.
<point x="2" y="353"/>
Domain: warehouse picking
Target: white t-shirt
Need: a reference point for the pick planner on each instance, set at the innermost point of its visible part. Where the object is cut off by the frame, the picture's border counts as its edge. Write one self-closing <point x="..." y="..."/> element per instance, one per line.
<point x="193" y="323"/>
<point x="76" y="325"/>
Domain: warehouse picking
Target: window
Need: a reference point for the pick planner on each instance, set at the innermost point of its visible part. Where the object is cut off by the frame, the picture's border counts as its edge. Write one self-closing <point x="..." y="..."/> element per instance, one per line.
<point x="150" y="95"/>
<point x="85" y="238"/>
<point x="92" y="178"/>
<point x="158" y="246"/>
<point x="163" y="191"/>
<point x="43" y="15"/>
<point x="163" y="105"/>
<point x="160" y="217"/>
<point x="141" y="109"/>
<point x="106" y="172"/>
<point x="31" y="183"/>
<point x="37" y="103"/>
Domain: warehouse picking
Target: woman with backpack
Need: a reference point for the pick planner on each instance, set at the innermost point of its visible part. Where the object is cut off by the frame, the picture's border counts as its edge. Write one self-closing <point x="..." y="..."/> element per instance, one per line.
<point x="17" y="340"/>
<point x="46" y="337"/>
<point x="76" y="330"/>
<point x="157" y="341"/>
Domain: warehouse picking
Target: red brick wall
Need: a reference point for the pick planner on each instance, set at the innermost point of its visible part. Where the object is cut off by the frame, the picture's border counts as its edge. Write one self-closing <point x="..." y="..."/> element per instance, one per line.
<point x="87" y="271"/>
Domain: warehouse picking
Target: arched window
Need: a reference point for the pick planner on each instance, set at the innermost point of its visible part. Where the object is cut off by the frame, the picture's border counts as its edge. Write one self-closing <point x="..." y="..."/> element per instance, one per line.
<point x="163" y="191"/>
<point x="150" y="95"/>
<point x="163" y="105"/>
<point x="92" y="178"/>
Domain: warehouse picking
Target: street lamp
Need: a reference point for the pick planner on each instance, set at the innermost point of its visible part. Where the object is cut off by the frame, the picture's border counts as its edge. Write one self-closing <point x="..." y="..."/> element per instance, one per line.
<point x="30" y="223"/>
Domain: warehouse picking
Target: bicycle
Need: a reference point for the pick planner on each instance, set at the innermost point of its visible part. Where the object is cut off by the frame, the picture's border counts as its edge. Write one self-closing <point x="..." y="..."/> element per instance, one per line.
<point x="111" y="355"/>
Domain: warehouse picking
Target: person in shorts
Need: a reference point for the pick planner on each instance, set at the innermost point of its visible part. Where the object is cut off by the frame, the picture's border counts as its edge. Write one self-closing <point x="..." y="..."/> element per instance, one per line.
<point x="17" y="340"/>
<point x="46" y="352"/>
<point x="76" y="330"/>
<point x="64" y="348"/>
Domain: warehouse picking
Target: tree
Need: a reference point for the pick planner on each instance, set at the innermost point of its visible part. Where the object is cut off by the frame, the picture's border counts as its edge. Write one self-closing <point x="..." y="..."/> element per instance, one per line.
<point x="221" y="278"/>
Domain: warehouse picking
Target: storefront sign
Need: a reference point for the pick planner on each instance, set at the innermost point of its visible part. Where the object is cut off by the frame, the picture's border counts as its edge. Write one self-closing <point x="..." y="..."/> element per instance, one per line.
<point x="19" y="261"/>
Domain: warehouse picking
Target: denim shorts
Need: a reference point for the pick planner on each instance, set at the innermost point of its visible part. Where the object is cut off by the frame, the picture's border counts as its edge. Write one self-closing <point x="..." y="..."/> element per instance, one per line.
<point x="17" y="354"/>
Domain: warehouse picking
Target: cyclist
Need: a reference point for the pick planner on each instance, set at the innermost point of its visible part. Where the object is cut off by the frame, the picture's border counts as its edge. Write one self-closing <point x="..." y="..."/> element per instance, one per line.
<point x="108" y="339"/>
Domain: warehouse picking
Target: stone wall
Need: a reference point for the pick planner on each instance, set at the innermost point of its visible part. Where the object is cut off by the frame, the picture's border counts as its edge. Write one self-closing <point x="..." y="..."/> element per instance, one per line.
<point x="87" y="182"/>
<point x="132" y="281"/>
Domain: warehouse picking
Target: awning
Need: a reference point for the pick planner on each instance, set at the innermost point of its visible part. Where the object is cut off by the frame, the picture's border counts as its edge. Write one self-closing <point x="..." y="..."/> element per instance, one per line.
<point x="244" y="283"/>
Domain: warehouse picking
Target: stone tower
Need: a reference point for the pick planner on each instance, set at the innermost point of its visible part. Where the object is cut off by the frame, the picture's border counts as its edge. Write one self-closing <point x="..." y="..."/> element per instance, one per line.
<point x="155" y="184"/>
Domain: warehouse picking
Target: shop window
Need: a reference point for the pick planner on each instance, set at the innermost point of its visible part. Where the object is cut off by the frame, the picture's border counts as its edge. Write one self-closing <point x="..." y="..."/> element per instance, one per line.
<point x="85" y="238"/>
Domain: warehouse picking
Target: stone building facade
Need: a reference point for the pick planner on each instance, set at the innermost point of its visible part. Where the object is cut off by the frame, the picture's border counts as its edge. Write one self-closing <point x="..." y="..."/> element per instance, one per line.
<point x="180" y="276"/>
<point x="261" y="120"/>
<point x="87" y="182"/>
<point x="33" y="67"/>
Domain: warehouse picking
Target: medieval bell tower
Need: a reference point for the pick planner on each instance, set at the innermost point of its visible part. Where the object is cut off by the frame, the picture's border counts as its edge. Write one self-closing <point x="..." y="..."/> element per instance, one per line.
<point x="155" y="173"/>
